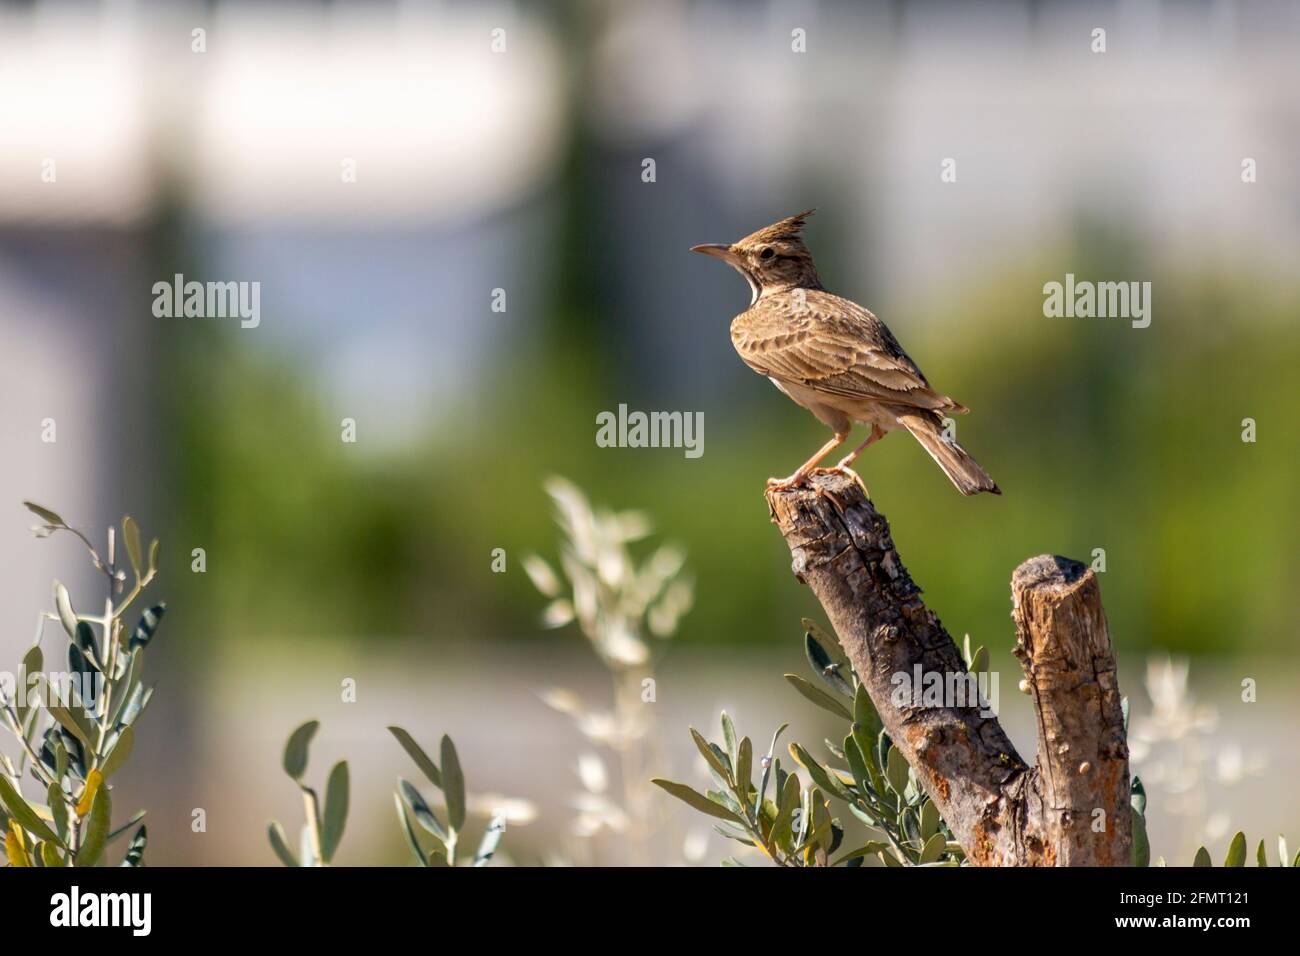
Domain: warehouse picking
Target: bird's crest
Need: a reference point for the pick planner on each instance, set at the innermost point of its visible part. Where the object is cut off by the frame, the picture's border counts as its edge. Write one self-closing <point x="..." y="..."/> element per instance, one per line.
<point x="788" y="228"/>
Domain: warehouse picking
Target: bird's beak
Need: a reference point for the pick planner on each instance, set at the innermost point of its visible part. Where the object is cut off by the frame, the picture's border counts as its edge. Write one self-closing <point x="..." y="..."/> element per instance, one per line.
<point x="718" y="249"/>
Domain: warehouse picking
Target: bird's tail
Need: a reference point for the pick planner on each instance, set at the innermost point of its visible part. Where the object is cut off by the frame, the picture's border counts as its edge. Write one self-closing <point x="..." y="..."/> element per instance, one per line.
<point x="962" y="470"/>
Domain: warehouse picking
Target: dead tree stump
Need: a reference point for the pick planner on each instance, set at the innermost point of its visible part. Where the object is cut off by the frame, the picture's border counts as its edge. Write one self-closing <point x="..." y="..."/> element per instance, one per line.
<point x="1072" y="807"/>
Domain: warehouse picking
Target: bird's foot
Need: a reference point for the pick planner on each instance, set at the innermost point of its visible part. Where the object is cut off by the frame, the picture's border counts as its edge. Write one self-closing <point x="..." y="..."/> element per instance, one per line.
<point x="789" y="481"/>
<point x="843" y="469"/>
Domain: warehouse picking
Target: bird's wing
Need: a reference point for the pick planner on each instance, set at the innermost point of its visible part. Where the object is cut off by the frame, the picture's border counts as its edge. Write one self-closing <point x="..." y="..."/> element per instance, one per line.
<point x="834" y="346"/>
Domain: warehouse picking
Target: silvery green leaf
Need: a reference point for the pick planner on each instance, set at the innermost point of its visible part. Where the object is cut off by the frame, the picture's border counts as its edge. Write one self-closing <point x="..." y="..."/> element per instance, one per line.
<point x="896" y="770"/>
<point x="33" y="662"/>
<point x="1138" y="795"/>
<point x="932" y="850"/>
<point x="1202" y="858"/>
<point x="121" y="750"/>
<point x="74" y="721"/>
<point x="421" y="811"/>
<point x="929" y="820"/>
<point x="131" y="533"/>
<point x="711" y="757"/>
<point x="729" y="737"/>
<point x="697" y="800"/>
<point x="1261" y="858"/>
<point x="63" y="607"/>
<point x="135" y="704"/>
<point x="732" y="833"/>
<point x="911" y="826"/>
<point x="409" y="832"/>
<point x="295" y="751"/>
<point x="59" y="811"/>
<point x="767" y="765"/>
<point x="78" y="665"/>
<point x="866" y="722"/>
<point x="280" y="844"/>
<point x="148" y="626"/>
<point x="45" y="514"/>
<point x="722" y="798"/>
<point x="822" y="835"/>
<point x="95" y="834"/>
<point x="413" y="750"/>
<point x="744" y="767"/>
<point x="820" y="775"/>
<point x="135" y="851"/>
<point x="336" y="810"/>
<point x="826" y="667"/>
<point x="829" y="642"/>
<point x="491" y="837"/>
<point x="818" y="696"/>
<point x="453" y="785"/>
<point x="788" y="797"/>
<point x="134" y="665"/>
<point x="1236" y="851"/>
<point x="868" y="848"/>
<point x="857" y="765"/>
<point x="1141" y="845"/>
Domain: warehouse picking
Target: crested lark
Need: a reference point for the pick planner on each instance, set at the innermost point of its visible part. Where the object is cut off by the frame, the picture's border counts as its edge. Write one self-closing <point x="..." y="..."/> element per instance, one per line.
<point x="834" y="357"/>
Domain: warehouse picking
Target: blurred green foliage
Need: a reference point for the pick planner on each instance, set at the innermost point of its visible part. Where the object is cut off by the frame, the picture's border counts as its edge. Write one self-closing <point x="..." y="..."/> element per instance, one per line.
<point x="1101" y="435"/>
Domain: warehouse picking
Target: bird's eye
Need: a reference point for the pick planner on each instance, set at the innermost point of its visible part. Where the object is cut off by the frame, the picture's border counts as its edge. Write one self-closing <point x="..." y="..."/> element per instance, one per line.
<point x="767" y="253"/>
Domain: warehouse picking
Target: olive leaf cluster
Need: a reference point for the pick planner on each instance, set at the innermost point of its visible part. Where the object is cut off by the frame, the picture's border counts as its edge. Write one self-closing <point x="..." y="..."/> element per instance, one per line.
<point x="75" y="727"/>
<point x="1237" y="854"/>
<point x="870" y="776"/>
<point x="439" y="847"/>
<point x="323" y="825"/>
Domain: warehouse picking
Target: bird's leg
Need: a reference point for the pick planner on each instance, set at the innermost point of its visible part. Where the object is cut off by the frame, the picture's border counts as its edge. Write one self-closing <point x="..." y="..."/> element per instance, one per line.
<point x="877" y="433"/>
<point x="806" y="468"/>
<point x="843" y="468"/>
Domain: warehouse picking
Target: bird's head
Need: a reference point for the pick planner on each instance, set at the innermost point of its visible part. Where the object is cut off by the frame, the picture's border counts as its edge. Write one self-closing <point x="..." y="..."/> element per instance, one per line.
<point x="773" y="259"/>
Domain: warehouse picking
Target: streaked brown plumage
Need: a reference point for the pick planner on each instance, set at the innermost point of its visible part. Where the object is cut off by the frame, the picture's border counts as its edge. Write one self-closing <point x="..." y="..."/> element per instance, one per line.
<point x="834" y="357"/>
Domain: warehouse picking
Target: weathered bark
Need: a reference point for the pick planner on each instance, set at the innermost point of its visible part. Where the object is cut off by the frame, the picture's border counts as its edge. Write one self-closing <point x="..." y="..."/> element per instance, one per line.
<point x="1072" y="808"/>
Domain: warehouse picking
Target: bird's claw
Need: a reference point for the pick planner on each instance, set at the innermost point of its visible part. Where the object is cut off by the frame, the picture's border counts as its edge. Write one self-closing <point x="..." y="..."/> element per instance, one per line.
<point x="843" y="469"/>
<point x="788" y="482"/>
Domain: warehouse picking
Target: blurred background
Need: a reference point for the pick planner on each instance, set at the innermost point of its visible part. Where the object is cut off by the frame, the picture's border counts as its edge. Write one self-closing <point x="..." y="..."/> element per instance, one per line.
<point x="383" y="169"/>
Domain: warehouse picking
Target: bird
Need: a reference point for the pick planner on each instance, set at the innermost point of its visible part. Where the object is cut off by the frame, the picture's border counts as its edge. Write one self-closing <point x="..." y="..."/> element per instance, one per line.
<point x="834" y="358"/>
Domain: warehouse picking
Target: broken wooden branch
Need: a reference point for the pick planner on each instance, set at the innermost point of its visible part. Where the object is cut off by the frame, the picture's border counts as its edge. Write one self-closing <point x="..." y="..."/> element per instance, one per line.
<point x="1072" y="807"/>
